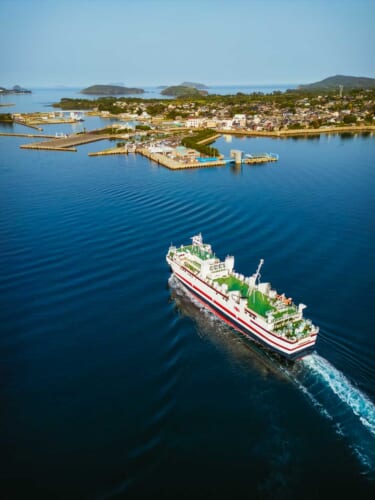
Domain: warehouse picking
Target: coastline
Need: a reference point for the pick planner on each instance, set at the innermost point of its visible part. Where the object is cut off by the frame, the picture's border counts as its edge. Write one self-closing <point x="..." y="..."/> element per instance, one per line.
<point x="300" y="132"/>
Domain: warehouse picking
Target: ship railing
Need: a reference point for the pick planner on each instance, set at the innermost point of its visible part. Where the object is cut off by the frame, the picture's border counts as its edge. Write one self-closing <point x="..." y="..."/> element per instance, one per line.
<point x="284" y="318"/>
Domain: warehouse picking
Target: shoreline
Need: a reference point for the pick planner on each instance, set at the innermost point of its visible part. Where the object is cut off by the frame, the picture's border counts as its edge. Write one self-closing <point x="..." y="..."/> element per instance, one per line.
<point x="300" y="132"/>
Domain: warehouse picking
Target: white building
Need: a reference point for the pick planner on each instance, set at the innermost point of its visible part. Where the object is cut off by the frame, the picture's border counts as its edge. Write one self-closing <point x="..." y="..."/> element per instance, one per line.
<point x="194" y="122"/>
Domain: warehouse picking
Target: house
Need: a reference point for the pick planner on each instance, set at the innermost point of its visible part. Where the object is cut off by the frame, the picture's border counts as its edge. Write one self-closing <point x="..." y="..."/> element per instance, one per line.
<point x="193" y="122"/>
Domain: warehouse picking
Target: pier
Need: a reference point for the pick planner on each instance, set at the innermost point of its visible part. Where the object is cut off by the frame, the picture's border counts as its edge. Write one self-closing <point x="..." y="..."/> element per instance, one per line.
<point x="173" y="164"/>
<point x="65" y="143"/>
<point x="112" y="151"/>
<point x="178" y="165"/>
<point x="32" y="136"/>
<point x="237" y="157"/>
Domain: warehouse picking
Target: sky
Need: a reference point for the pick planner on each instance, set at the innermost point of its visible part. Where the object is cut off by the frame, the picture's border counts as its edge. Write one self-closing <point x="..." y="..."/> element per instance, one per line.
<point x="46" y="43"/>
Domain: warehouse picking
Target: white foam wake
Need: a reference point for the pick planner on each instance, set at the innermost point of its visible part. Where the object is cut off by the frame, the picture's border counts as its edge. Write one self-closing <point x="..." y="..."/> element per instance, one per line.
<point x="341" y="386"/>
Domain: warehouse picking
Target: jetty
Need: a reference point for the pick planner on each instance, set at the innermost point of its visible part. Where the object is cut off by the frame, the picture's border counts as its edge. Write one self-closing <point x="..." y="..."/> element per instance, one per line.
<point x="113" y="151"/>
<point x="65" y="143"/>
<point x="32" y="136"/>
<point x="237" y="157"/>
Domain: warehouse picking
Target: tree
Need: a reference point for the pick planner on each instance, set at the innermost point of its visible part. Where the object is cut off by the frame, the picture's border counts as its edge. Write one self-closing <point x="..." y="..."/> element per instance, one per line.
<point x="349" y="119"/>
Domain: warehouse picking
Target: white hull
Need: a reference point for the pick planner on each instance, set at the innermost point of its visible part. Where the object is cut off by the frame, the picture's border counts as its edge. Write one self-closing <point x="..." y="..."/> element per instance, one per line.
<point x="240" y="316"/>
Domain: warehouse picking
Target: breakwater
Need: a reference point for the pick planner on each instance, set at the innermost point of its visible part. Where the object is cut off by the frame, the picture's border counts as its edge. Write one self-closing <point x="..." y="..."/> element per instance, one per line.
<point x="42" y="136"/>
<point x="65" y="143"/>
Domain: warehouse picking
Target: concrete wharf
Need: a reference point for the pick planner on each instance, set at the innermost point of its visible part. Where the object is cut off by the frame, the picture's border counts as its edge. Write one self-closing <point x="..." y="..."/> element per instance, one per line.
<point x="178" y="165"/>
<point x="260" y="159"/>
<point x="66" y="143"/>
<point x="42" y="136"/>
<point x="113" y="151"/>
<point x="25" y="124"/>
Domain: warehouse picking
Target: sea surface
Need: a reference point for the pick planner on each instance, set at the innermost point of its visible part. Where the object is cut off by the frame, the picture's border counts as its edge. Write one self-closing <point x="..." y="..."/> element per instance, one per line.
<point x="116" y="384"/>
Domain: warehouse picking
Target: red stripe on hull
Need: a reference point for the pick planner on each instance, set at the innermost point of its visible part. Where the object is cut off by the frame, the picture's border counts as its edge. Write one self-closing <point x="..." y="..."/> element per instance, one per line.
<point x="279" y="348"/>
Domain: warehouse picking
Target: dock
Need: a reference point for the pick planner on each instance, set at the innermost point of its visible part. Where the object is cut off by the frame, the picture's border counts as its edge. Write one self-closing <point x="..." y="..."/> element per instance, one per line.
<point x="30" y="125"/>
<point x="174" y="164"/>
<point x="260" y="158"/>
<point x="65" y="143"/>
<point x="178" y="165"/>
<point x="237" y="157"/>
<point x="32" y="136"/>
<point x="112" y="151"/>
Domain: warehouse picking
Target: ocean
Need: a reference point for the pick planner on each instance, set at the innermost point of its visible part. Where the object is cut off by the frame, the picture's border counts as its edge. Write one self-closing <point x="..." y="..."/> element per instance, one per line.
<point x="116" y="384"/>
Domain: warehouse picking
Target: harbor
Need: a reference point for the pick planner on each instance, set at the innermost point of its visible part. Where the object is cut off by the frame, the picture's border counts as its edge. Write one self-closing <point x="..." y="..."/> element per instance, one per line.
<point x="162" y="152"/>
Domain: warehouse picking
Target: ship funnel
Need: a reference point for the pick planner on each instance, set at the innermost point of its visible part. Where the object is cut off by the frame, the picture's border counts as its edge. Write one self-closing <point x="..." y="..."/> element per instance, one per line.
<point x="229" y="263"/>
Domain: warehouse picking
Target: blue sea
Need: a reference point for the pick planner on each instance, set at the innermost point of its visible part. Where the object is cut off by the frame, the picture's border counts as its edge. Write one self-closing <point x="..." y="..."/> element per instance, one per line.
<point x="116" y="384"/>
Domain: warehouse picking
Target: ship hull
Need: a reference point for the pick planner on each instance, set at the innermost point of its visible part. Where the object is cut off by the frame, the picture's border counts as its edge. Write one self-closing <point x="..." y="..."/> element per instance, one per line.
<point x="250" y="329"/>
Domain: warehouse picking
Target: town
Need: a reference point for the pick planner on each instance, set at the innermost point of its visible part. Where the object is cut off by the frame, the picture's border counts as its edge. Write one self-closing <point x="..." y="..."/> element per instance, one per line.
<point x="178" y="133"/>
<point x="257" y="112"/>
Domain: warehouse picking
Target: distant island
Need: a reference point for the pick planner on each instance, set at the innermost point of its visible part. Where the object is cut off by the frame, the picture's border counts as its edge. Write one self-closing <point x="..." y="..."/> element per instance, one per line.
<point x="14" y="90"/>
<point x="111" y="90"/>
<point x="183" y="91"/>
<point x="333" y="83"/>
<point x="199" y="86"/>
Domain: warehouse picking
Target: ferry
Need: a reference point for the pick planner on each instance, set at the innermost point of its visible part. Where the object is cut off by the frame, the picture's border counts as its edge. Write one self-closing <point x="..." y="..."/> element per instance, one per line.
<point x="248" y="305"/>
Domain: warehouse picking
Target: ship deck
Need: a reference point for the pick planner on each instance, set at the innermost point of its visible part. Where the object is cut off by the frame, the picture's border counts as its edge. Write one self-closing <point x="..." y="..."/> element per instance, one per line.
<point x="256" y="300"/>
<point x="195" y="250"/>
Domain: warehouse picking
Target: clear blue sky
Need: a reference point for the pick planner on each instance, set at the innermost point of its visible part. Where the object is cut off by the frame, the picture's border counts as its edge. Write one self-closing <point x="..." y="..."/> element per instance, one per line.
<point x="147" y="42"/>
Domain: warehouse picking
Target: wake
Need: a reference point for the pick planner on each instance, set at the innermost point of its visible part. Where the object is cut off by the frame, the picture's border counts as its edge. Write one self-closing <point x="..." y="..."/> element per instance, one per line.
<point x="351" y="411"/>
<point x="360" y="404"/>
<point x="332" y="394"/>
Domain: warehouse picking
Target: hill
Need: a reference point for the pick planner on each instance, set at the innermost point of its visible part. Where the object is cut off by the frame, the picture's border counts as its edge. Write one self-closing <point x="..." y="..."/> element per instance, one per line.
<point x="183" y="91"/>
<point x="15" y="90"/>
<point x="198" y="86"/>
<point x="333" y="82"/>
<point x="111" y="90"/>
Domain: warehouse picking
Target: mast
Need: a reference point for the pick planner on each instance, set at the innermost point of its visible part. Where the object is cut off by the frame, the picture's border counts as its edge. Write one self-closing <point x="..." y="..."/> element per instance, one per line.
<point x="257" y="274"/>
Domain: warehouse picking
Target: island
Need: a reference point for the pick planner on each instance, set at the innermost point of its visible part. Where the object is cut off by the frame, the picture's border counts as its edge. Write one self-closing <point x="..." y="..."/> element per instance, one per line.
<point x="347" y="82"/>
<point x="14" y="90"/>
<point x="199" y="86"/>
<point x="111" y="90"/>
<point x="183" y="91"/>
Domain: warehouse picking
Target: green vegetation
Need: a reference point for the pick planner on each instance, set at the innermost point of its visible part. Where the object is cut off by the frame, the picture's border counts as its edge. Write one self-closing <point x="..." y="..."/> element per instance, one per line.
<point x="312" y="108"/>
<point x="110" y="90"/>
<point x="6" y="117"/>
<point x="348" y="82"/>
<point x="192" y="141"/>
<point x="195" y="85"/>
<point x="181" y="91"/>
<point x="114" y="130"/>
<point x="142" y="127"/>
